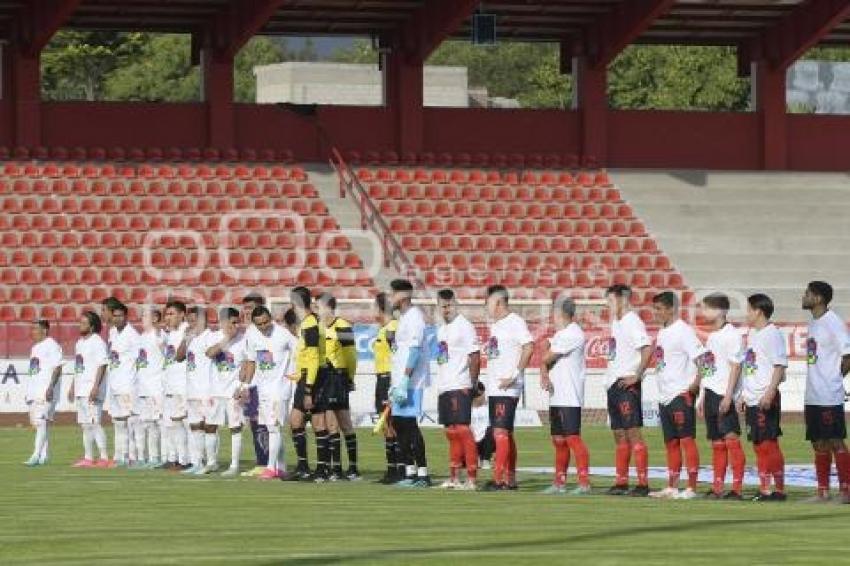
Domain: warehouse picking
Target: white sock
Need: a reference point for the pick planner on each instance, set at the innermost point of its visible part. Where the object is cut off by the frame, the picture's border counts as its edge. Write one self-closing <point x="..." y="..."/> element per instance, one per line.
<point x="211" y="441"/>
<point x="136" y="455"/>
<point x="197" y="452"/>
<point x="45" y="447"/>
<point x="410" y="471"/>
<point x="422" y="472"/>
<point x="235" y="447"/>
<point x="152" y="429"/>
<point x="88" y="442"/>
<point x="122" y="442"/>
<point x="169" y="450"/>
<point x="40" y="439"/>
<point x="181" y="442"/>
<point x="274" y="447"/>
<point x="100" y="441"/>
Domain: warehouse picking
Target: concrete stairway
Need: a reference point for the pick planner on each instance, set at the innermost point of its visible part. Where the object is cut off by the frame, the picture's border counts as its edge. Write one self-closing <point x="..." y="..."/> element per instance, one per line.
<point x="347" y="214"/>
<point x="749" y="232"/>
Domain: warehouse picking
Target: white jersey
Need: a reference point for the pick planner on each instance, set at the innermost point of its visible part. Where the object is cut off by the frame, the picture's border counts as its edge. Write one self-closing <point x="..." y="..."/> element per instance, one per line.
<point x="456" y="341"/>
<point x="272" y="355"/>
<point x="676" y="350"/>
<point x="149" y="362"/>
<point x="723" y="348"/>
<point x="765" y="350"/>
<point x="226" y="365"/>
<point x="90" y="356"/>
<point x="123" y="352"/>
<point x="198" y="366"/>
<point x="628" y="336"/>
<point x="826" y="344"/>
<point x="568" y="373"/>
<point x="504" y="350"/>
<point x="411" y="334"/>
<point x="175" y="372"/>
<point x="45" y="357"/>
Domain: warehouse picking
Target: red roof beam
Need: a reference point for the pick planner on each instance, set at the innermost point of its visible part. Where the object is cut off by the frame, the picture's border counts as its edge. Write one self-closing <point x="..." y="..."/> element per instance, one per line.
<point x="799" y="30"/>
<point x="620" y="27"/>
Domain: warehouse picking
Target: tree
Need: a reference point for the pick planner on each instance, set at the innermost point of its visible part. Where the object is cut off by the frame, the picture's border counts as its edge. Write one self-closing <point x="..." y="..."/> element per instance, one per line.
<point x="258" y="51"/>
<point x="162" y="73"/>
<point x="76" y="64"/>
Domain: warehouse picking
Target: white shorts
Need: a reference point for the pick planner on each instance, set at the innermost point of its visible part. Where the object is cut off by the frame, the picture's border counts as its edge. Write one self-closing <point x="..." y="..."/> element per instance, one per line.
<point x="120" y="405"/>
<point x="41" y="411"/>
<point x="88" y="413"/>
<point x="271" y="411"/>
<point x="225" y="411"/>
<point x="196" y="410"/>
<point x="149" y="409"/>
<point x="174" y="407"/>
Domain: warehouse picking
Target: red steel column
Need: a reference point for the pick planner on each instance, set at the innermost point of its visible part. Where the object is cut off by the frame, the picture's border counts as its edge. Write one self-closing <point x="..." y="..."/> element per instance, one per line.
<point x="404" y="100"/>
<point x="769" y="84"/>
<point x="25" y="93"/>
<point x="217" y="91"/>
<point x="591" y="101"/>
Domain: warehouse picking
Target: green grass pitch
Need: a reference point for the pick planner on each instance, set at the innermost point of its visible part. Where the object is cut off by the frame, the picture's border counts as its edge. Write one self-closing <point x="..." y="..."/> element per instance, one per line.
<point x="56" y="514"/>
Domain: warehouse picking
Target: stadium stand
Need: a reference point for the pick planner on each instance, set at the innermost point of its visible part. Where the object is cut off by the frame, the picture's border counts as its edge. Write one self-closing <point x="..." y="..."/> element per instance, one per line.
<point x="73" y="233"/>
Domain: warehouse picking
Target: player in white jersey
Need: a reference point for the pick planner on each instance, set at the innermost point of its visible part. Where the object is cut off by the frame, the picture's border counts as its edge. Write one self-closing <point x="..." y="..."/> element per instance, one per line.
<point x="562" y="376"/>
<point x="763" y="366"/>
<point x="828" y="361"/>
<point x="678" y="351"/>
<point x="123" y="353"/>
<point x="193" y="350"/>
<point x="227" y="353"/>
<point x="458" y="366"/>
<point x="88" y="390"/>
<point x="508" y="351"/>
<point x="45" y="369"/>
<point x="629" y="354"/>
<point x="409" y="377"/>
<point x="175" y="441"/>
<point x="720" y="372"/>
<point x="268" y="357"/>
<point x="149" y="390"/>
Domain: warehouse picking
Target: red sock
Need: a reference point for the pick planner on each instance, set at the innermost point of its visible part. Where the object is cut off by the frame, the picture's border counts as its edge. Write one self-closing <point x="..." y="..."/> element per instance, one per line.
<point x="562" y="459"/>
<point x="621" y="459"/>
<point x="511" y="478"/>
<point x="502" y="456"/>
<point x="823" y="466"/>
<point x="641" y="463"/>
<point x="470" y="451"/>
<point x="842" y="466"/>
<point x="776" y="464"/>
<point x="689" y="445"/>
<point x="763" y="467"/>
<point x="739" y="462"/>
<point x="579" y="448"/>
<point x="674" y="462"/>
<point x="719" y="463"/>
<point x="455" y="451"/>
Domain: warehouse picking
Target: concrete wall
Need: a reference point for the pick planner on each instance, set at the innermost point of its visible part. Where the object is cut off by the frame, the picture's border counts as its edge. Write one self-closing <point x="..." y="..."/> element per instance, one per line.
<point x="352" y="84"/>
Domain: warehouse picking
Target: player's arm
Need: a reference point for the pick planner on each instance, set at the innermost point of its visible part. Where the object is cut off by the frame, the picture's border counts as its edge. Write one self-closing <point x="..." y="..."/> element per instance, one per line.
<point x="180" y="353"/>
<point x="474" y="368"/>
<point x="547" y="362"/>
<point x="845" y="364"/>
<point x="779" y="359"/>
<point x="54" y="379"/>
<point x="348" y="346"/>
<point x="98" y="381"/>
<point x="310" y="361"/>
<point x="645" y="360"/>
<point x="697" y="353"/>
<point x="731" y="387"/>
<point x="220" y="346"/>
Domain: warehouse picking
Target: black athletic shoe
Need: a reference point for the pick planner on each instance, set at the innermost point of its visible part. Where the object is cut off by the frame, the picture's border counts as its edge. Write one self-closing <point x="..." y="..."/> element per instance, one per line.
<point x="321" y="476"/>
<point x="712" y="495"/>
<point x="388" y="478"/>
<point x="493" y="486"/>
<point x="353" y="474"/>
<point x="778" y="496"/>
<point x="733" y="496"/>
<point x="422" y="481"/>
<point x="639" y="491"/>
<point x="618" y="490"/>
<point x="298" y="474"/>
<point x="512" y="487"/>
<point x="763" y="497"/>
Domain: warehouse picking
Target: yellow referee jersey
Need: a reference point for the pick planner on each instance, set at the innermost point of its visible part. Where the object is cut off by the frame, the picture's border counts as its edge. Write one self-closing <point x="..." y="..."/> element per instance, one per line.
<point x="383" y="347"/>
<point x="340" y="347"/>
<point x="310" y="355"/>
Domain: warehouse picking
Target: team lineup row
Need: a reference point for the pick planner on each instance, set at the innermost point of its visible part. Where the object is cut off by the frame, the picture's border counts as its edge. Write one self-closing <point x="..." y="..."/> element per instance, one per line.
<point x="172" y="386"/>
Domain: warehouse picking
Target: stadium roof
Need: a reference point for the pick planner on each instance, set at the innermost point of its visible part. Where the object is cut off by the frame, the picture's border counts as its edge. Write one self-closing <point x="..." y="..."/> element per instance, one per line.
<point x="702" y="22"/>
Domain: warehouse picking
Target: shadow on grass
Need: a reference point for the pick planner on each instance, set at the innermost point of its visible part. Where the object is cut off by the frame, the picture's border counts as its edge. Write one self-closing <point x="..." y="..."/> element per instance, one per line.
<point x="606" y="534"/>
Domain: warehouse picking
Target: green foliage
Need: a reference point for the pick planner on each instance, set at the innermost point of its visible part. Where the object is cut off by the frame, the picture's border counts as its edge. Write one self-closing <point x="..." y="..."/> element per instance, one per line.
<point x="75" y="64"/>
<point x="162" y="73"/>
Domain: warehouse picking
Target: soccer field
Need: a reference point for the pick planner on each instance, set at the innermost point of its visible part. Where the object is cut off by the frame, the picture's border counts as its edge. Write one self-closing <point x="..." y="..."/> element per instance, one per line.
<point x="59" y="514"/>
